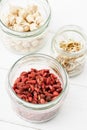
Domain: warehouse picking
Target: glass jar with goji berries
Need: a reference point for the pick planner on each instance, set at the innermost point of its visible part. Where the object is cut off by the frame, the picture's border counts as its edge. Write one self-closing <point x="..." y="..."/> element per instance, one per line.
<point x="69" y="46"/>
<point x="24" y="24"/>
<point x="38" y="110"/>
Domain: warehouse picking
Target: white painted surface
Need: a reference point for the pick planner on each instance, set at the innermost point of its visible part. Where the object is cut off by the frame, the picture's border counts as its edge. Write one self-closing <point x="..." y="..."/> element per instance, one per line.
<point x="73" y="113"/>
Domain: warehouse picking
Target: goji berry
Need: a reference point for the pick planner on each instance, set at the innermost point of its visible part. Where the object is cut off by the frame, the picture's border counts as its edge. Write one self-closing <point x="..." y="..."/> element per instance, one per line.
<point x="37" y="86"/>
<point x="42" y="101"/>
<point x="55" y="93"/>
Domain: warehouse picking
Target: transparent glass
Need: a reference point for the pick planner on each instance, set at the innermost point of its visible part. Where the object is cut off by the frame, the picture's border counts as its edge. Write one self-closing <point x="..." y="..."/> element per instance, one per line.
<point x="24" y="42"/>
<point x="73" y="62"/>
<point x="37" y="112"/>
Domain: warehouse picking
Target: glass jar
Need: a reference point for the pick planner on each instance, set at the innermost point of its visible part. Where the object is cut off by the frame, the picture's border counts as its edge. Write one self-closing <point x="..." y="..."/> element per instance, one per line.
<point x="24" y="42"/>
<point x="73" y="61"/>
<point x="37" y="112"/>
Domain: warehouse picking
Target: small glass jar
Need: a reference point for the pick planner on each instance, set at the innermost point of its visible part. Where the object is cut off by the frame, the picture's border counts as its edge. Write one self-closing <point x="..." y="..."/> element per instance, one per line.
<point x="72" y="61"/>
<point x="24" y="42"/>
<point x="37" y="112"/>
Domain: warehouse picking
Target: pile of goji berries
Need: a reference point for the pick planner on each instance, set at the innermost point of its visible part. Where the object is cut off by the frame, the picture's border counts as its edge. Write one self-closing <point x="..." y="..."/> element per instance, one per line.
<point x="37" y="86"/>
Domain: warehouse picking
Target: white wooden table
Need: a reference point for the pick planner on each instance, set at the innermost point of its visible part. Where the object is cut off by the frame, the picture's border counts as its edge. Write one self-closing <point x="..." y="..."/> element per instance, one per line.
<point x="73" y="113"/>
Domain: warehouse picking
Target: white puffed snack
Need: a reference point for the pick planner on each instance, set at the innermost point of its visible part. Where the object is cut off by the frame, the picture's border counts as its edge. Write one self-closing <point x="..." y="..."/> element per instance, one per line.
<point x="30" y="19"/>
<point x="33" y="26"/>
<point x="34" y="8"/>
<point x="35" y="43"/>
<point x="18" y="28"/>
<point x="36" y="14"/>
<point x="14" y="10"/>
<point x="12" y="20"/>
<point x="38" y="20"/>
<point x="31" y="9"/>
<point x="24" y="19"/>
<point x="22" y="13"/>
<point x="19" y="20"/>
<point x="26" y="28"/>
<point x="26" y="45"/>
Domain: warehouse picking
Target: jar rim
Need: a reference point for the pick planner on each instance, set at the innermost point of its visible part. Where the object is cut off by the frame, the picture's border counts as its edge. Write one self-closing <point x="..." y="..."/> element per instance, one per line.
<point x="32" y="33"/>
<point x="73" y="28"/>
<point x="38" y="106"/>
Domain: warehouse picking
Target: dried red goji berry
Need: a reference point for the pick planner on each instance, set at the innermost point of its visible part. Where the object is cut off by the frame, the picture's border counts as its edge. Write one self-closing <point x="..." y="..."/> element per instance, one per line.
<point x="31" y="81"/>
<point x="30" y="99"/>
<point x="24" y="74"/>
<point x="42" y="101"/>
<point x="48" y="80"/>
<point x="55" y="93"/>
<point x="37" y="86"/>
<point x="59" y="90"/>
<point x="48" y="98"/>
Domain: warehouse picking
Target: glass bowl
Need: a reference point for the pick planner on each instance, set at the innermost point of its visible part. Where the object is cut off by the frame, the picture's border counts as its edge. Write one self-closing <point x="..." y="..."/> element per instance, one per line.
<point x="37" y="112"/>
<point x="24" y="42"/>
<point x="72" y="61"/>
